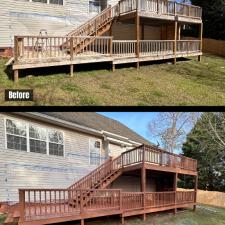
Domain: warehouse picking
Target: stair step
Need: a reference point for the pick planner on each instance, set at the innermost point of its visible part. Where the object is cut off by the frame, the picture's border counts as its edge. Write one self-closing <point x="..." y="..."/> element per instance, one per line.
<point x="9" y="219"/>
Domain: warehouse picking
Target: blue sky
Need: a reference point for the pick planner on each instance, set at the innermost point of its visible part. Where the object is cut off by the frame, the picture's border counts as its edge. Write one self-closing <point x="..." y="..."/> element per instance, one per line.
<point x="137" y="121"/>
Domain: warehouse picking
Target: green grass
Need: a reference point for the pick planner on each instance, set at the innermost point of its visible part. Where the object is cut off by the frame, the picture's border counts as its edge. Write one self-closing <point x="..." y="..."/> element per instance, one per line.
<point x="204" y="215"/>
<point x="187" y="83"/>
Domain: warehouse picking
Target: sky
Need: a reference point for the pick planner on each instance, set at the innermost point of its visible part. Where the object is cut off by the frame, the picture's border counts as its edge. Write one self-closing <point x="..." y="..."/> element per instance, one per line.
<point x="137" y="121"/>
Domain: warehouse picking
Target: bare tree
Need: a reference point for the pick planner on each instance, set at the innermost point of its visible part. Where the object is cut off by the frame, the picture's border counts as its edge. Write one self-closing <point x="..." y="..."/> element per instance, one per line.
<point x="171" y="128"/>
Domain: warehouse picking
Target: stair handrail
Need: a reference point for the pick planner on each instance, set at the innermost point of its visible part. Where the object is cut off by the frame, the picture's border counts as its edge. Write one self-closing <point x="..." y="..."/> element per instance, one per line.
<point x="109" y="8"/>
<point x="108" y="163"/>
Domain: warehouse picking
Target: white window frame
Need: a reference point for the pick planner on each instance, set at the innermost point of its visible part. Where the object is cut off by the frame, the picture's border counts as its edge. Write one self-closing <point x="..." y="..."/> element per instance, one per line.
<point x="28" y="136"/>
<point x="48" y="3"/>
<point x="6" y="147"/>
<point x="100" y="155"/>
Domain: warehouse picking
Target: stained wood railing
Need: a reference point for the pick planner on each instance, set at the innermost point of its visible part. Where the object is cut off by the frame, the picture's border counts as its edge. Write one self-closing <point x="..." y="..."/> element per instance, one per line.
<point x="94" y="178"/>
<point x="49" y="203"/>
<point x="157" y="157"/>
<point x="161" y="7"/>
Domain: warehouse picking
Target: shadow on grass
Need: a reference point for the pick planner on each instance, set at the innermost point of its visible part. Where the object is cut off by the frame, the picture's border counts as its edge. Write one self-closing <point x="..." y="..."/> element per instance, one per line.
<point x="57" y="70"/>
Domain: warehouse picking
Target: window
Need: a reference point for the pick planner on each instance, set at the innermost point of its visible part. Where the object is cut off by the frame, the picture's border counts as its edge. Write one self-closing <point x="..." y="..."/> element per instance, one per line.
<point x="95" y="153"/>
<point x="94" y="6"/>
<point x="38" y="138"/>
<point x="16" y="135"/>
<point x="55" y="143"/>
<point x="57" y="2"/>
<point x="31" y="138"/>
<point x="43" y="1"/>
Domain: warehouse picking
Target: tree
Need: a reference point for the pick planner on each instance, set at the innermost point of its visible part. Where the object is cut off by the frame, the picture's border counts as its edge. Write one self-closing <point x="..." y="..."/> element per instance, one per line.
<point x="213" y="16"/>
<point x="171" y="128"/>
<point x="206" y="143"/>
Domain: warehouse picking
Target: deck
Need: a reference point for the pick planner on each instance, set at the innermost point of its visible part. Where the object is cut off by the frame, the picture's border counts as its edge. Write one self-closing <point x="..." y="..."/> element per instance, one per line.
<point x="87" y="45"/>
<point x="36" y="51"/>
<point x="90" y="196"/>
<point x="48" y="206"/>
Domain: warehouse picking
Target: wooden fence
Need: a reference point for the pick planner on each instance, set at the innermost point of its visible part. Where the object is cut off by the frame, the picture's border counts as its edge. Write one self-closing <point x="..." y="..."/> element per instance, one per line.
<point x="216" y="47"/>
<point x="211" y="198"/>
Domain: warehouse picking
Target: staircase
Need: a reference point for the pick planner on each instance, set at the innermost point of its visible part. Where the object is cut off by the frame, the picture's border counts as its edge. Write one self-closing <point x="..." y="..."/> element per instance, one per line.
<point x="100" y="178"/>
<point x="96" y="26"/>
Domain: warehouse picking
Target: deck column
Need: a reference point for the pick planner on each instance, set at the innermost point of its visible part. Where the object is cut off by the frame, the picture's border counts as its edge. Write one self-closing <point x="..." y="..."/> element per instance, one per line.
<point x="143" y="172"/>
<point x="82" y="222"/>
<point x="71" y="70"/>
<point x="137" y="24"/>
<point x="16" y="76"/>
<point x="175" y="43"/>
<point x="122" y="220"/>
<point x="196" y="189"/>
<point x="175" y="190"/>
<point x="200" y="37"/>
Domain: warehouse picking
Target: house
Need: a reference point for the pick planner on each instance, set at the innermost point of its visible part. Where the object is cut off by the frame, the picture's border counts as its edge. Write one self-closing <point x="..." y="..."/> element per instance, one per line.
<point x="79" y="142"/>
<point x="74" y="166"/>
<point x="115" y="32"/>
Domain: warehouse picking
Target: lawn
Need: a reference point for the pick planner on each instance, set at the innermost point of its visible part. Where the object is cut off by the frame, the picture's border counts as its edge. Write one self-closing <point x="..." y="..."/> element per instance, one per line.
<point x="204" y="215"/>
<point x="188" y="83"/>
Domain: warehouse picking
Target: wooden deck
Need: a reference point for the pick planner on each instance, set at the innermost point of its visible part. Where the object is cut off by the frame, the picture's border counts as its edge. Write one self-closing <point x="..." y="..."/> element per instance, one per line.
<point x="87" y="45"/>
<point x="90" y="197"/>
<point x="33" y="51"/>
<point x="52" y="205"/>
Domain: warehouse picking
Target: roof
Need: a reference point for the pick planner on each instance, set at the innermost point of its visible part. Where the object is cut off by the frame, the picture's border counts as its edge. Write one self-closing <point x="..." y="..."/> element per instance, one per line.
<point x="99" y="122"/>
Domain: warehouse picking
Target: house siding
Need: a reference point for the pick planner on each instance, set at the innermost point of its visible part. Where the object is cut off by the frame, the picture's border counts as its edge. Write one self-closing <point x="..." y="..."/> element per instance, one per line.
<point x="33" y="170"/>
<point x="20" y="17"/>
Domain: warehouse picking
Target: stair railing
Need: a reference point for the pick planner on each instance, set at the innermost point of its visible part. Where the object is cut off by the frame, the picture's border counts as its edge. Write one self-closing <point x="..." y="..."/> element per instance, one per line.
<point x="92" y="25"/>
<point x="99" y="174"/>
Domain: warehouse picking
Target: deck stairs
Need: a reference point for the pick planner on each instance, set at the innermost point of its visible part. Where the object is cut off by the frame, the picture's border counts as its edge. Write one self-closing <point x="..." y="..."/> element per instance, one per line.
<point x="100" y="178"/>
<point x="96" y="26"/>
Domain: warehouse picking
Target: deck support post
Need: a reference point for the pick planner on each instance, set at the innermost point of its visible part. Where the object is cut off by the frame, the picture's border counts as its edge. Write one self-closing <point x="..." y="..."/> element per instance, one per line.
<point x="122" y="220"/>
<point x="144" y="217"/>
<point x="137" y="25"/>
<point x="16" y="76"/>
<point x="196" y="189"/>
<point x="71" y="70"/>
<point x="175" y="42"/>
<point x="82" y="222"/>
<point x="200" y="37"/>
<point x="143" y="174"/>
<point x="175" y="191"/>
<point x="113" y="67"/>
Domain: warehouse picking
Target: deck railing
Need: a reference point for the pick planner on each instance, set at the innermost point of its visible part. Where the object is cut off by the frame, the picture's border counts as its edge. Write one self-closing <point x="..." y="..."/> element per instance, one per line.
<point x="188" y="46"/>
<point x="148" y="47"/>
<point x="159" y="157"/>
<point x="31" y="48"/>
<point x="161" y="7"/>
<point x="124" y="48"/>
<point x="50" y="203"/>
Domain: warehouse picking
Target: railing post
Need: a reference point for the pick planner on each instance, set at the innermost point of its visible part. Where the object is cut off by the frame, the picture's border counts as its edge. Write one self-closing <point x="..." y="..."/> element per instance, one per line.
<point x="22" y="205"/>
<point x="81" y="202"/>
<point x="175" y="192"/>
<point x="16" y="49"/>
<point x="71" y="49"/>
<point x="175" y="41"/>
<point x="196" y="189"/>
<point x="121" y="200"/>
<point x="143" y="172"/>
<point x="175" y="10"/>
